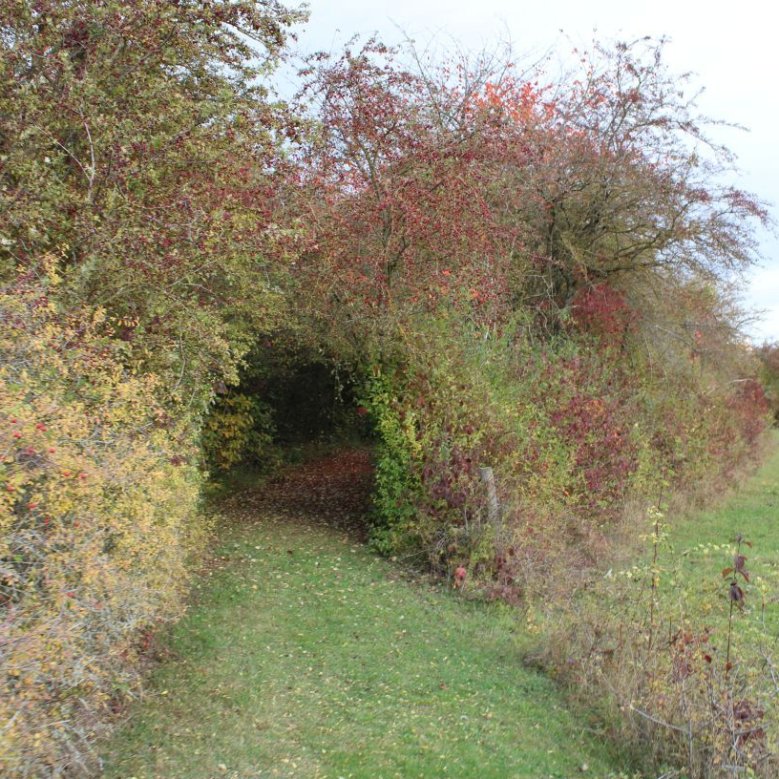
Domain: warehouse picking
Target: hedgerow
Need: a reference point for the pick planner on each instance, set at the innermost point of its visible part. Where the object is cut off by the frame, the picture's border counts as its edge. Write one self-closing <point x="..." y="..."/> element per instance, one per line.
<point x="98" y="517"/>
<point x="534" y="273"/>
<point x="529" y="278"/>
<point x="139" y="257"/>
<point x="574" y="439"/>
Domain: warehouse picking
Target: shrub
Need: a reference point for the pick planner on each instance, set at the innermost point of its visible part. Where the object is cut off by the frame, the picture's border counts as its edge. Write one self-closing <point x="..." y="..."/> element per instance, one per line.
<point x="239" y="429"/>
<point x="98" y="515"/>
<point x="575" y="432"/>
<point x="682" y="670"/>
<point x="398" y="464"/>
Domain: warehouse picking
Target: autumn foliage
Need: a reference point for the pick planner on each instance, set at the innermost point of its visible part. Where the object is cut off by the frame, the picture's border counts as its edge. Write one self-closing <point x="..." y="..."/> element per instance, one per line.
<point x="535" y="278"/>
<point x="517" y="273"/>
<point x="533" y="273"/>
<point x="97" y="519"/>
<point x="136" y="258"/>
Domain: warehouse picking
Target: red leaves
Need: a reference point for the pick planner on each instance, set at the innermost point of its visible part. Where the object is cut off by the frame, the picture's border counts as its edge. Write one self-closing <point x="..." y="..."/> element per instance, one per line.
<point x="738" y="567"/>
<point x="518" y="101"/>
<point x="736" y="594"/>
<point x="403" y="221"/>
<point x="335" y="488"/>
<point x="747" y="715"/>
<point x="604" y="312"/>
<point x="588" y="406"/>
<point x="687" y="649"/>
<point x="751" y="407"/>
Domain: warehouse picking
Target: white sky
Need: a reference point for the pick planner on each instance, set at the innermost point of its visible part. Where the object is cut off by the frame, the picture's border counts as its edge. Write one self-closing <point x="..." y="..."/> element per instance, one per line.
<point x="730" y="49"/>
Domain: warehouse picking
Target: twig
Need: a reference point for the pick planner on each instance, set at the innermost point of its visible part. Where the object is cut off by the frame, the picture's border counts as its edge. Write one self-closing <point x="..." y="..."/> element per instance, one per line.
<point x="658" y="721"/>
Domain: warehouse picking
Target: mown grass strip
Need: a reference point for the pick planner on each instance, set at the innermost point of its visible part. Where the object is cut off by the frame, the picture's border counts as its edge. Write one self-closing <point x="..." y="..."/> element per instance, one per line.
<point x="307" y="656"/>
<point x="703" y="546"/>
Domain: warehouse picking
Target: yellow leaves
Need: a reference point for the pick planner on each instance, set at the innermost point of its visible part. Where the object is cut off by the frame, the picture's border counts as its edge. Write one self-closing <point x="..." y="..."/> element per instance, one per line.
<point x="50" y="263"/>
<point x="227" y="430"/>
<point x="96" y="523"/>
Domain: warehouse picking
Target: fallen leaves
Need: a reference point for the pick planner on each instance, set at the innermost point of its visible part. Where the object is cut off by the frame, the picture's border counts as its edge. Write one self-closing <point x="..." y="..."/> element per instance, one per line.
<point x="327" y="662"/>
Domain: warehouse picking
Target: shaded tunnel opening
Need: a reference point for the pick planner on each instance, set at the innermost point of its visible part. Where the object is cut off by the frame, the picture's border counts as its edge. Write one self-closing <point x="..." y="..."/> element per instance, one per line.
<point x="293" y="432"/>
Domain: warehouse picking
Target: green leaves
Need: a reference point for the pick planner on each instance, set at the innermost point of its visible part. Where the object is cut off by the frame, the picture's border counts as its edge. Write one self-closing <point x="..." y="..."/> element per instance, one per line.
<point x="127" y="179"/>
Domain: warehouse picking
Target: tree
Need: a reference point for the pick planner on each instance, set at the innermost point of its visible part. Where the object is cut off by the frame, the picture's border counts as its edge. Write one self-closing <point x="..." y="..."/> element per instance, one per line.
<point x="574" y="240"/>
<point x="139" y="145"/>
<point x="139" y="155"/>
<point x="397" y="218"/>
<point x="605" y="177"/>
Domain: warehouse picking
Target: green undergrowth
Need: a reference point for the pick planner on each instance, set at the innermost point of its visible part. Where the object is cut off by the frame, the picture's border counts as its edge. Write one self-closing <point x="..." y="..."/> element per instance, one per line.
<point x="304" y="655"/>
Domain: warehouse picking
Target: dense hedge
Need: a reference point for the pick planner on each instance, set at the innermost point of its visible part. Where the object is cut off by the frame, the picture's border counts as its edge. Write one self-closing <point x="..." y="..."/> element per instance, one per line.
<point x="574" y="436"/>
<point x="521" y="275"/>
<point x="98" y="515"/>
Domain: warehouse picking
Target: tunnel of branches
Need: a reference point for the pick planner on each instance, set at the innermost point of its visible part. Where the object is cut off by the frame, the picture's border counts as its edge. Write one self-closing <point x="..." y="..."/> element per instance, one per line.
<point x="291" y="404"/>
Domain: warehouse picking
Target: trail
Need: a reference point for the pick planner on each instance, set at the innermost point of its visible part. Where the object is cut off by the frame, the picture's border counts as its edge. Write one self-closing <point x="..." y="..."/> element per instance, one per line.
<point x="305" y="655"/>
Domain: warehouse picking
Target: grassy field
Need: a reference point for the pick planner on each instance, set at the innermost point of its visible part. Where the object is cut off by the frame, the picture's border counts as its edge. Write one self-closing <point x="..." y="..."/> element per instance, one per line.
<point x="696" y="549"/>
<point x="751" y="510"/>
<point x="307" y="656"/>
<point x="704" y="545"/>
<point x="304" y="655"/>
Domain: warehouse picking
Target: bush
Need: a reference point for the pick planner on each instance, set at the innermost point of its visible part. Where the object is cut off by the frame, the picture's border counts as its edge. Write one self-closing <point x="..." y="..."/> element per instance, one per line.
<point x="430" y="416"/>
<point x="681" y="670"/>
<point x="239" y="429"/>
<point x="98" y="515"/>
<point x="575" y="433"/>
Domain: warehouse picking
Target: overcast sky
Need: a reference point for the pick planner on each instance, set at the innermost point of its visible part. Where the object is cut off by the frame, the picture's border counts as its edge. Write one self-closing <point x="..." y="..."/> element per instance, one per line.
<point x="732" y="53"/>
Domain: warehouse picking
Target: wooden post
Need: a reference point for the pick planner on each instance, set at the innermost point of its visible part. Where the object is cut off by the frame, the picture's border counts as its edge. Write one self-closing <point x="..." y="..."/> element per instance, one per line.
<point x="493" y="504"/>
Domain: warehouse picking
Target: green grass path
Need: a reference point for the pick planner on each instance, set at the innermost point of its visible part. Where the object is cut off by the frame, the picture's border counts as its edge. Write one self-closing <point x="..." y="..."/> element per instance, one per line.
<point x="703" y="545"/>
<point x="752" y="510"/>
<point x="305" y="655"/>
